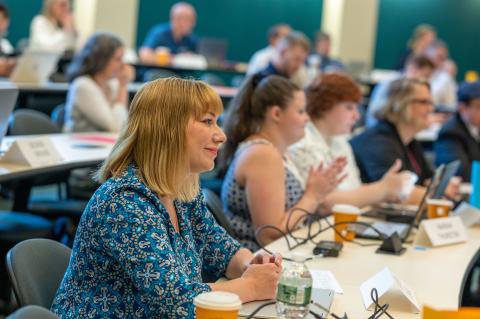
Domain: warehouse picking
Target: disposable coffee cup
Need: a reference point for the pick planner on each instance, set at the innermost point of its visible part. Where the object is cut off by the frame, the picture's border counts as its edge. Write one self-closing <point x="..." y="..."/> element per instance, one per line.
<point x="217" y="305"/>
<point x="342" y="214"/>
<point x="437" y="208"/>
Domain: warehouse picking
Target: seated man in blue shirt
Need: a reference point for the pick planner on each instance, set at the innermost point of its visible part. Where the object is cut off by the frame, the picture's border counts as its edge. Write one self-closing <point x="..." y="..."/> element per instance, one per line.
<point x="459" y="138"/>
<point x="175" y="35"/>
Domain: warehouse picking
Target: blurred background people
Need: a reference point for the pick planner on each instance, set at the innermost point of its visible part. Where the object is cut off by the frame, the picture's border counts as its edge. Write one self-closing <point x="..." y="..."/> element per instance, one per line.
<point x="459" y="138"/>
<point x="7" y="62"/>
<point x="177" y="35"/>
<point x="97" y="99"/>
<point x="291" y="52"/>
<point x="423" y="36"/>
<point x="54" y="28"/>
<point x="321" y="59"/>
<point x="417" y="67"/>
<point x="263" y="57"/>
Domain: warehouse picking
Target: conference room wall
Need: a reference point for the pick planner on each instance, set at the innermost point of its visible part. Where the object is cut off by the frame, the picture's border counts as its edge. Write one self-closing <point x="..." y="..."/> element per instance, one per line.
<point x="457" y="22"/>
<point x="242" y="22"/>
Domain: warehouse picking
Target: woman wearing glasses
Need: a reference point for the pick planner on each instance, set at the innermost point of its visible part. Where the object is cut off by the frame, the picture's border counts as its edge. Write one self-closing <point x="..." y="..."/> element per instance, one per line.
<point x="407" y="111"/>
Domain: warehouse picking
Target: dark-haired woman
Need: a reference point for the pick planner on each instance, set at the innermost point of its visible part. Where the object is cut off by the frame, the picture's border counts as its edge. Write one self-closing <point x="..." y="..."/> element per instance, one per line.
<point x="98" y="96"/>
<point x="261" y="185"/>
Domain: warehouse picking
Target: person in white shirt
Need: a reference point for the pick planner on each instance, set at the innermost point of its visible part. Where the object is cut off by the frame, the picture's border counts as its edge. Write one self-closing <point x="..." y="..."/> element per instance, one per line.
<point x="54" y="29"/>
<point x="332" y="104"/>
<point x="97" y="98"/>
<point x="263" y="57"/>
<point x="7" y="63"/>
<point x="442" y="81"/>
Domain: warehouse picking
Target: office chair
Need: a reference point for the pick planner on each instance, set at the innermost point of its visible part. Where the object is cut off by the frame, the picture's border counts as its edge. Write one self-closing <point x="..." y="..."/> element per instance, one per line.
<point x="36" y="268"/>
<point x="30" y="122"/>
<point x="33" y="312"/>
<point x="214" y="205"/>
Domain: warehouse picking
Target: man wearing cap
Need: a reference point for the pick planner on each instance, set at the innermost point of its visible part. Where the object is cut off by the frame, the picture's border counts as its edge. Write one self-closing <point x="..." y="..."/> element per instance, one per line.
<point x="176" y="35"/>
<point x="459" y="137"/>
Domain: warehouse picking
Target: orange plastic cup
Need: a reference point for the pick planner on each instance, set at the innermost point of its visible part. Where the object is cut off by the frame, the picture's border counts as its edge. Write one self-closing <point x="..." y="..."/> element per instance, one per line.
<point x="344" y="213"/>
<point x="163" y="56"/>
<point x="217" y="305"/>
<point x="437" y="208"/>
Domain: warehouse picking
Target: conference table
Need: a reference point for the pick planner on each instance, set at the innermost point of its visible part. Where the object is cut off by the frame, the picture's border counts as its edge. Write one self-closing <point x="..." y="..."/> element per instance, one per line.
<point x="76" y="151"/>
<point x="436" y="275"/>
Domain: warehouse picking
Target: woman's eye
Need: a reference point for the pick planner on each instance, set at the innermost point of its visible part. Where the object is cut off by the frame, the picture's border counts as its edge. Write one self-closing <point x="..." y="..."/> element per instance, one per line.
<point x="208" y="121"/>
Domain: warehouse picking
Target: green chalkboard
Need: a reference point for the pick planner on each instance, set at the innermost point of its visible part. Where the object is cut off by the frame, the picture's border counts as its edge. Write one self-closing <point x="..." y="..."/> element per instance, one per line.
<point x="242" y="22"/>
<point x="21" y="13"/>
<point x="457" y="23"/>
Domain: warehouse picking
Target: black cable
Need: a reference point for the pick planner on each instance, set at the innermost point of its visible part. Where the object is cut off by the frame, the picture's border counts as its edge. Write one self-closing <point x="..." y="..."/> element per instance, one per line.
<point x="260" y="308"/>
<point x="310" y="220"/>
<point x="379" y="309"/>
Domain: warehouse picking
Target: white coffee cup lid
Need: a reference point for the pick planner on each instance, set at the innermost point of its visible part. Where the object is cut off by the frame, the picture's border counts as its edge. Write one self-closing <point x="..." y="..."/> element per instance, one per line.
<point x="218" y="300"/>
<point x="437" y="201"/>
<point x="346" y="209"/>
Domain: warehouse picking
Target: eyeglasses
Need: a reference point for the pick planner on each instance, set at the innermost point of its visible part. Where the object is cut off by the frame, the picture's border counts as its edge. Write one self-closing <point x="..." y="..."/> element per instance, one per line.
<point x="422" y="101"/>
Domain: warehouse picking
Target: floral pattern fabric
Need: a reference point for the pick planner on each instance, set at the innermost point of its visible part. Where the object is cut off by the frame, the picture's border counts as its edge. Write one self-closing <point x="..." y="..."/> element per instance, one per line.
<point x="129" y="262"/>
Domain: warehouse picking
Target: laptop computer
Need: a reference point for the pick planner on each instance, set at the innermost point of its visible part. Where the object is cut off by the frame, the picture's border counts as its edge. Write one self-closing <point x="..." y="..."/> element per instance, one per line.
<point x="35" y="67"/>
<point x="8" y="99"/>
<point x="214" y="50"/>
<point x="405" y="213"/>
<point x="435" y="189"/>
<point x="324" y="297"/>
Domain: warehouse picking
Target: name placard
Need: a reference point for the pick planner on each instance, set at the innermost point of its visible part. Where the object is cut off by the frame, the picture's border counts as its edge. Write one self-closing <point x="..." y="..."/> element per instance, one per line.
<point x="390" y="290"/>
<point x="34" y="152"/>
<point x="441" y="231"/>
<point x="469" y="214"/>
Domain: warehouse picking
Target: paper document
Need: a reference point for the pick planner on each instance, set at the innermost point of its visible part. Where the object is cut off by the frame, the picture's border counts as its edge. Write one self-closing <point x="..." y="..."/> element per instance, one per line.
<point x="323" y="279"/>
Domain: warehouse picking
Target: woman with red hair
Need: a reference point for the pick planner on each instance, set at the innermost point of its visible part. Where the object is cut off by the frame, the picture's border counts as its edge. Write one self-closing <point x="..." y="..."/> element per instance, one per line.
<point x="332" y="104"/>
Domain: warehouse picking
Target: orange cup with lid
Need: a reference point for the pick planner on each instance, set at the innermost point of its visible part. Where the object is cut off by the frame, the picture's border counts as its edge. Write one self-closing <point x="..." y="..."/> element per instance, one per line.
<point x="217" y="305"/>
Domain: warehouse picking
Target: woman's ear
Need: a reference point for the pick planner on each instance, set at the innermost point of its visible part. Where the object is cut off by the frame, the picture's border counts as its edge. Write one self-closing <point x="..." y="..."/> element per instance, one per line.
<point x="275" y="113"/>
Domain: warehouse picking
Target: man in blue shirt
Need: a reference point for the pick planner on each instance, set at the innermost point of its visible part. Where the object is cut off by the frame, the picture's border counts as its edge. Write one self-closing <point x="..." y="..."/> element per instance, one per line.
<point x="175" y="35"/>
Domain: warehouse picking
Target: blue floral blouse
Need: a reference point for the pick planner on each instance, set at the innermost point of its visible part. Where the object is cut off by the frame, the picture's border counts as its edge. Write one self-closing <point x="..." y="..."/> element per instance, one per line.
<point x="129" y="262"/>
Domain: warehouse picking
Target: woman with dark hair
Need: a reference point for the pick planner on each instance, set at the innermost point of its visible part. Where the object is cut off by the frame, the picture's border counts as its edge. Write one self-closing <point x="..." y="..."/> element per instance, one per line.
<point x="332" y="104"/>
<point x="261" y="185"/>
<point x="98" y="96"/>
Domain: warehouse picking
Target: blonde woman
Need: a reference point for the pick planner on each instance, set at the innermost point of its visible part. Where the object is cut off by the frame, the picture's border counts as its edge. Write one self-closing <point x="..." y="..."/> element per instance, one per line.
<point x="146" y="235"/>
<point x="54" y="29"/>
<point x="422" y="37"/>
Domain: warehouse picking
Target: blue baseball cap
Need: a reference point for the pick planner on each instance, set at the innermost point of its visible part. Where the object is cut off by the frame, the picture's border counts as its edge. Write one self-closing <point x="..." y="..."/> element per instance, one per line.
<point x="468" y="91"/>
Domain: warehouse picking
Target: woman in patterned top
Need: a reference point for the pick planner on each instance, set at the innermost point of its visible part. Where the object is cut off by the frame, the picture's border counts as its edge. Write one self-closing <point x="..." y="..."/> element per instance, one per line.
<point x="146" y="235"/>
<point x="260" y="185"/>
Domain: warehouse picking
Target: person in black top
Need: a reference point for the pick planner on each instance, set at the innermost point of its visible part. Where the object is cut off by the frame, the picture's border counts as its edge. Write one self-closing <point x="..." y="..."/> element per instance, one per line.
<point x="291" y="53"/>
<point x="459" y="137"/>
<point x="407" y="111"/>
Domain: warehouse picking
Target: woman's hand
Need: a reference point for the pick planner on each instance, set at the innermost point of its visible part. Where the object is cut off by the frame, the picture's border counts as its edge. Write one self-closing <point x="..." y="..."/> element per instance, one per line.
<point x="264" y="258"/>
<point x="126" y="74"/>
<point x="453" y="188"/>
<point x="261" y="280"/>
<point x="321" y="181"/>
<point x="396" y="185"/>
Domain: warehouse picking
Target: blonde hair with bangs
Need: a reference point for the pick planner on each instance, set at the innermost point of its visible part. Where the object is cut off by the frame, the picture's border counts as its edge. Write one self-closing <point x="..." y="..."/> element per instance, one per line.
<point x="155" y="136"/>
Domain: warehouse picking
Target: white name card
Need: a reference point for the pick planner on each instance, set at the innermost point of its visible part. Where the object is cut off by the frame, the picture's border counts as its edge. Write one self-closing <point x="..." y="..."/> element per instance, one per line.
<point x="440" y="232"/>
<point x="469" y="214"/>
<point x="390" y="290"/>
<point x="33" y="152"/>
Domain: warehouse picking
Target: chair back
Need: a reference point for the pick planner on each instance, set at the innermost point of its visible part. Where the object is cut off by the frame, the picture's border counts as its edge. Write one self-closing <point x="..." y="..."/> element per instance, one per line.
<point x="36" y="268"/>
<point x="30" y="122"/>
<point x="214" y="205"/>
<point x="33" y="312"/>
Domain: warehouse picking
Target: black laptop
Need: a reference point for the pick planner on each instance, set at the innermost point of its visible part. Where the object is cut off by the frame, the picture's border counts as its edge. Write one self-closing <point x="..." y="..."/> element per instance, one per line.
<point x="435" y="189"/>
